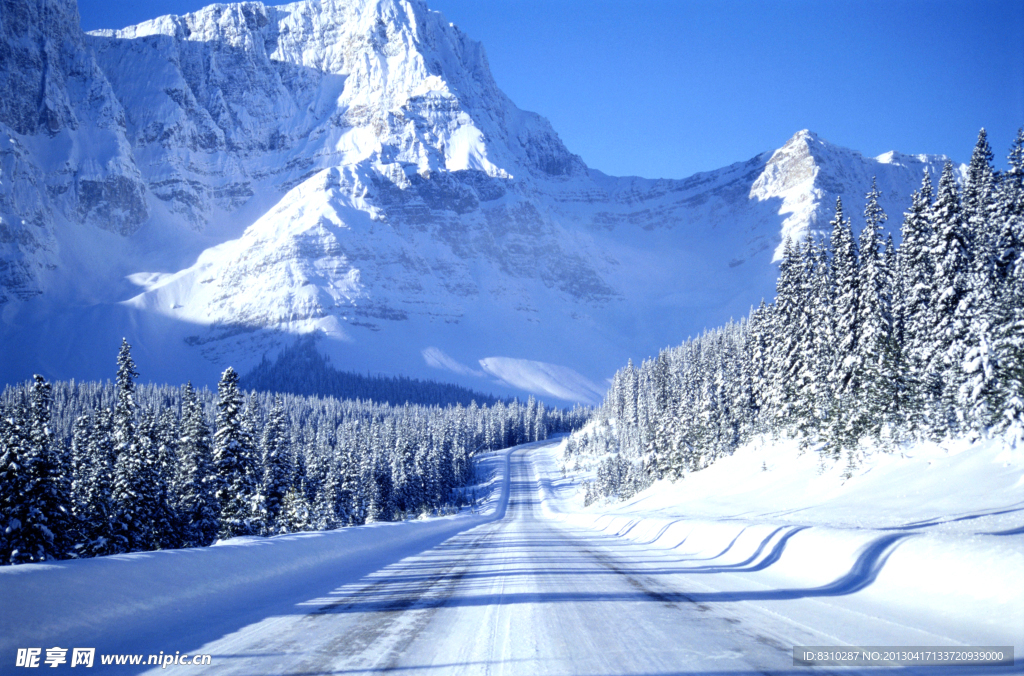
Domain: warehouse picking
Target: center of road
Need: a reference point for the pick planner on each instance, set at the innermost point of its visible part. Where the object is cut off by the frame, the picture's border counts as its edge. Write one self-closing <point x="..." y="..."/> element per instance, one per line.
<point x="520" y="594"/>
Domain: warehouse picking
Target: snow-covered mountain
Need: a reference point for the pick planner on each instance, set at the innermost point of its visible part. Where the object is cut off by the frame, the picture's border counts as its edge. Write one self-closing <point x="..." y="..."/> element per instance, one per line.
<point x="213" y="184"/>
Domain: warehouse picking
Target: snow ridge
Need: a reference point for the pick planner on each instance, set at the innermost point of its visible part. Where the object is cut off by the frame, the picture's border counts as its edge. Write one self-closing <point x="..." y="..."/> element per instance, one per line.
<point x="349" y="168"/>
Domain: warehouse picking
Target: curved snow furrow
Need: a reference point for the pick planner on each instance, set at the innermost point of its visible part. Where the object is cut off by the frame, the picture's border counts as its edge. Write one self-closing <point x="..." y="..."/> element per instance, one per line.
<point x="922" y="580"/>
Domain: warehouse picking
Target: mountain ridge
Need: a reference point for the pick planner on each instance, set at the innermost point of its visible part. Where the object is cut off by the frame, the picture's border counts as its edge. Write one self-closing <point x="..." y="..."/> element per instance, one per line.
<point x="352" y="170"/>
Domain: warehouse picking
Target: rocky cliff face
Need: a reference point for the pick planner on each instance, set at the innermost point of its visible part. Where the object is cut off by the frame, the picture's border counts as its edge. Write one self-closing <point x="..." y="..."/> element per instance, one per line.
<point x="350" y="168"/>
<point x="64" y="157"/>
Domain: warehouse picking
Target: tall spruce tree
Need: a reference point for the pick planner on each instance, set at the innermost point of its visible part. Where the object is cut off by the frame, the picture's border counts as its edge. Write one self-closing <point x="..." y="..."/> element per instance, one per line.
<point x="844" y="376"/>
<point x="949" y="331"/>
<point x="233" y="491"/>
<point x="915" y="308"/>
<point x="276" y="463"/>
<point x="131" y="521"/>
<point x="194" y="500"/>
<point x="875" y="321"/>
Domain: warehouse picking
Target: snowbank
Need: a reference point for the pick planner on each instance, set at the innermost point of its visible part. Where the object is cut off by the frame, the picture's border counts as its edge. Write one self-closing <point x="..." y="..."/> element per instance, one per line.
<point x="932" y="537"/>
<point x="197" y="594"/>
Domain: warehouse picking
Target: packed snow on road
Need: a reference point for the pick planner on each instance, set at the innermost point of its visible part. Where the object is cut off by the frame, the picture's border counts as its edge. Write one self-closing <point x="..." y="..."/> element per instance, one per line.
<point x="724" y="572"/>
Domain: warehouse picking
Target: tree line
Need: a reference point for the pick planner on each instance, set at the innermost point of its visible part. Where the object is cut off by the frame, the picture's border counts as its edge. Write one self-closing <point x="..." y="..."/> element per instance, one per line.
<point x="91" y="469"/>
<point x="864" y="343"/>
<point x="301" y="369"/>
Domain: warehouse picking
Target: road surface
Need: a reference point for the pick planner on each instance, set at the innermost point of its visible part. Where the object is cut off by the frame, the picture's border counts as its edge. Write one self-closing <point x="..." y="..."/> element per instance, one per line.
<point x="524" y="594"/>
<point x="528" y="594"/>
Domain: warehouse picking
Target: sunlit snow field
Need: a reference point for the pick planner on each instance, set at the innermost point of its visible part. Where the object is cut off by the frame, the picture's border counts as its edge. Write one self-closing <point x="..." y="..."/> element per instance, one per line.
<point x="928" y="536"/>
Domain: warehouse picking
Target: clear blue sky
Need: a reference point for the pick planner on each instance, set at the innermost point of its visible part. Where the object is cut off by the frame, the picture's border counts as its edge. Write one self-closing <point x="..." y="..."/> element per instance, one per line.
<point x="666" y="88"/>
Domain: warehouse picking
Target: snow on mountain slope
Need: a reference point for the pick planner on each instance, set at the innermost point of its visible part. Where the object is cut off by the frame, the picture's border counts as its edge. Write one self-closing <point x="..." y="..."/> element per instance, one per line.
<point x="808" y="173"/>
<point x="64" y="158"/>
<point x="350" y="168"/>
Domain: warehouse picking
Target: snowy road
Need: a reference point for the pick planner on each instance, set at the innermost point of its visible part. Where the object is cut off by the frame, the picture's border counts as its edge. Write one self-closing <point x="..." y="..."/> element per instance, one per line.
<point x="528" y="594"/>
<point x="516" y="590"/>
<point x="521" y="595"/>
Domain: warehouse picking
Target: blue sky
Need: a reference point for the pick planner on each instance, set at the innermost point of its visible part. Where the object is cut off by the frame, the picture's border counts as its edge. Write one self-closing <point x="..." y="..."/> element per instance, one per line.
<point x="667" y="88"/>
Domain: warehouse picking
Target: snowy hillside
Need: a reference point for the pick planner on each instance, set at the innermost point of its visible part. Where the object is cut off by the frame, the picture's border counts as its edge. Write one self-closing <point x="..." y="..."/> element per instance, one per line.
<point x="214" y="184"/>
<point x="935" y="530"/>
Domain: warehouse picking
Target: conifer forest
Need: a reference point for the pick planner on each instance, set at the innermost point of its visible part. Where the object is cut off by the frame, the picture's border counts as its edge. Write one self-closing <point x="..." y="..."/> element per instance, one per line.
<point x="90" y="469"/>
<point x="866" y="345"/>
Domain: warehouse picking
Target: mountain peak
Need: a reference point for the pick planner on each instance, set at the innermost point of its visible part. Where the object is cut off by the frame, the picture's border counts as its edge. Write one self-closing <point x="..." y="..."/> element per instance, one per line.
<point x="350" y="168"/>
<point x="382" y="80"/>
<point x="808" y="173"/>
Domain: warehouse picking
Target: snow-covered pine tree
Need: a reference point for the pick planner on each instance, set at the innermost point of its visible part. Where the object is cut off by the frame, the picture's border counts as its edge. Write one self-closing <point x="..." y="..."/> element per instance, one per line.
<point x="980" y="222"/>
<point x="36" y="503"/>
<point x="403" y="469"/>
<point x="325" y="507"/>
<point x="252" y="420"/>
<point x="232" y="488"/>
<point x="976" y="203"/>
<point x="1007" y="350"/>
<point x="295" y="512"/>
<point x="894" y="361"/>
<point x="914" y="308"/>
<point x="131" y="519"/>
<point x="950" y="250"/>
<point x="818" y="343"/>
<point x="1007" y="215"/>
<point x="785" y="355"/>
<point x="156" y="529"/>
<point x="81" y="476"/>
<point x="17" y="537"/>
<point x="195" y="502"/>
<point x="381" y="503"/>
<point x="276" y="463"/>
<point x="875" y="322"/>
<point x="9" y="483"/>
<point x="759" y="337"/>
<point x="100" y="510"/>
<point x="845" y="374"/>
<point x="670" y="454"/>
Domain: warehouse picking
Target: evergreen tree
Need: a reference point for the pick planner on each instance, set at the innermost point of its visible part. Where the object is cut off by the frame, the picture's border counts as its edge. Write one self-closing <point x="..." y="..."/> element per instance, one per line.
<point x="23" y="540"/>
<point x="819" y="339"/>
<point x="915" y="307"/>
<point x="1005" y="391"/>
<point x="844" y="376"/>
<point x="232" y="489"/>
<point x="36" y="508"/>
<point x="155" y="527"/>
<point x="295" y="513"/>
<point x="131" y="521"/>
<point x="874" y="348"/>
<point x="895" y="371"/>
<point x="100" y="510"/>
<point x="949" y="330"/>
<point x="257" y="521"/>
<point x="194" y="500"/>
<point x="381" y="498"/>
<point x="81" y="476"/>
<point x="276" y="461"/>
